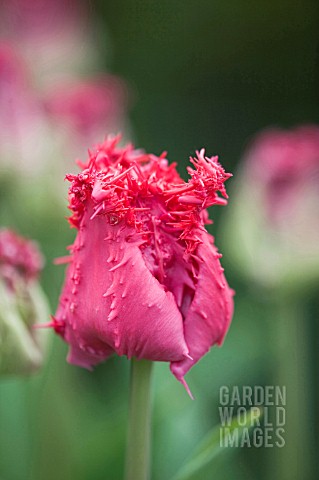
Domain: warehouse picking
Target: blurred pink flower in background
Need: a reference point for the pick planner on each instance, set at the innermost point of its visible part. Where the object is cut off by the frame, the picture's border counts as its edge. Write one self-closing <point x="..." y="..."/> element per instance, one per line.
<point x="19" y="258"/>
<point x="287" y="164"/>
<point x="41" y="18"/>
<point x="51" y="105"/>
<point x="53" y="36"/>
<point x="23" y="126"/>
<point x="83" y="110"/>
<point x="22" y="304"/>
<point x="144" y="278"/>
<point x="275" y="217"/>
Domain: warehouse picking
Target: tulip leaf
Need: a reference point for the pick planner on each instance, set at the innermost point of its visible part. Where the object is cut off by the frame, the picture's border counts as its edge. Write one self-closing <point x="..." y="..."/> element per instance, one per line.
<point x="216" y="442"/>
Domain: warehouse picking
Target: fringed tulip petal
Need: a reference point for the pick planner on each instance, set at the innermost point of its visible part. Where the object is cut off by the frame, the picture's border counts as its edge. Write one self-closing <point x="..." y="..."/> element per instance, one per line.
<point x="111" y="301"/>
<point x="209" y="314"/>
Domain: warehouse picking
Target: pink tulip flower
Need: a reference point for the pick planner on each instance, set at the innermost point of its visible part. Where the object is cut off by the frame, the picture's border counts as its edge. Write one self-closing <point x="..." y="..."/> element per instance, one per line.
<point x="275" y="220"/>
<point x="144" y="277"/>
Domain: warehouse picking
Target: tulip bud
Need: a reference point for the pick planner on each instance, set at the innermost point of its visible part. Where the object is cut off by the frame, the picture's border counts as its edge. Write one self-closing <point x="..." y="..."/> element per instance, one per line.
<point x="22" y="305"/>
<point x="273" y="224"/>
<point x="144" y="277"/>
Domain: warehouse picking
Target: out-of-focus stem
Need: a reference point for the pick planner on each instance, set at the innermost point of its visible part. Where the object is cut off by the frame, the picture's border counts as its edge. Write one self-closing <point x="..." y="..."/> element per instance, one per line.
<point x="293" y="461"/>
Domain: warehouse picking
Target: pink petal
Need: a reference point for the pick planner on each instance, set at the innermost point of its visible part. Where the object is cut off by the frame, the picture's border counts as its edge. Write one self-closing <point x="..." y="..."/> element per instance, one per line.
<point x="111" y="301"/>
<point x="209" y="315"/>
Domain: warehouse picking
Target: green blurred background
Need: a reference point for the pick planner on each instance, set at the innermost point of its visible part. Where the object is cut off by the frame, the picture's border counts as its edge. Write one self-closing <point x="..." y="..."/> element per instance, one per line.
<point x="201" y="74"/>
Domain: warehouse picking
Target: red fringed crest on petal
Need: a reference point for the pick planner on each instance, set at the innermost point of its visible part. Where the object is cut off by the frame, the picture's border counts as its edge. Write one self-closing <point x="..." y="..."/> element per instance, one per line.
<point x="123" y="182"/>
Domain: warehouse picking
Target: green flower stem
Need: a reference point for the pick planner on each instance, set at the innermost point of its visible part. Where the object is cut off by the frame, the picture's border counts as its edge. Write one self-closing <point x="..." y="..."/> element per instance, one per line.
<point x="138" y="441"/>
<point x="293" y="461"/>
